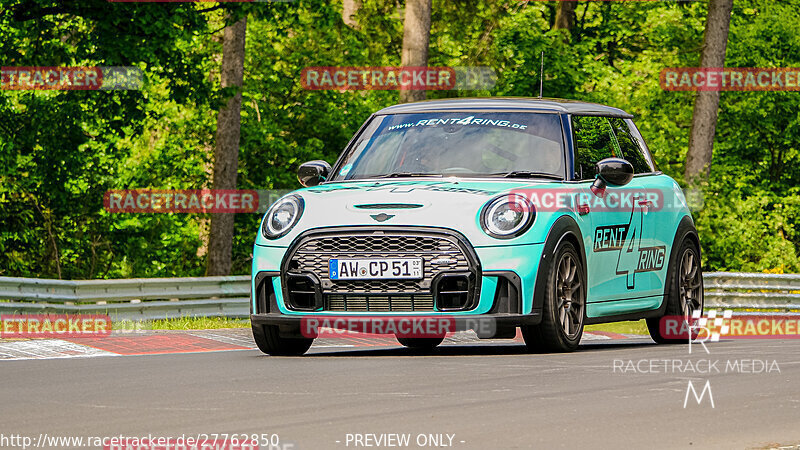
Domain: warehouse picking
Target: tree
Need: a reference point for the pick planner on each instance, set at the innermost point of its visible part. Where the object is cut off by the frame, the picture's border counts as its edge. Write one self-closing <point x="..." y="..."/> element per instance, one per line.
<point x="565" y="15"/>
<point x="704" y="120"/>
<point x="226" y="152"/>
<point x="416" y="38"/>
<point x="349" y="9"/>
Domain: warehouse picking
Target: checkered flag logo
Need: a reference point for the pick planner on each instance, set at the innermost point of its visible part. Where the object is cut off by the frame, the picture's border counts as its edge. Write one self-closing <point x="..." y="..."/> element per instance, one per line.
<point x="715" y="325"/>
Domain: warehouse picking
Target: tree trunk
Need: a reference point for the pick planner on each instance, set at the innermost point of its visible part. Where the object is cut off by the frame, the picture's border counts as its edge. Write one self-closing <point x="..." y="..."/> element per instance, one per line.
<point x="349" y="9"/>
<point x="706" y="105"/>
<point x="565" y="15"/>
<point x="226" y="152"/>
<point x="416" y="37"/>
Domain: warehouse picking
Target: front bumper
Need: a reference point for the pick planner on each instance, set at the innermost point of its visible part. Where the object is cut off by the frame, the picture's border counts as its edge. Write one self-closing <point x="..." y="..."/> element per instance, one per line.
<point x="504" y="282"/>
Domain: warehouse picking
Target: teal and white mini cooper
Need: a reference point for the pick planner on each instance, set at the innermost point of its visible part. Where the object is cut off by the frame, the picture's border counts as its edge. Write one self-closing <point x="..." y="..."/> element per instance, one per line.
<point x="533" y="213"/>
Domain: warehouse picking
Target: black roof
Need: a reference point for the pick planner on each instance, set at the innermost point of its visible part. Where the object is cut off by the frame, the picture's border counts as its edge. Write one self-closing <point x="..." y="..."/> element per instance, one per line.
<point x="507" y="104"/>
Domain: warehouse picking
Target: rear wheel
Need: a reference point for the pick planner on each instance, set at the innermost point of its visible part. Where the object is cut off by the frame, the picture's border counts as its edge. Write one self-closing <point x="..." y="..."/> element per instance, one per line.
<point x="685" y="294"/>
<point x="421" y="344"/>
<point x="564" y="306"/>
<point x="272" y="343"/>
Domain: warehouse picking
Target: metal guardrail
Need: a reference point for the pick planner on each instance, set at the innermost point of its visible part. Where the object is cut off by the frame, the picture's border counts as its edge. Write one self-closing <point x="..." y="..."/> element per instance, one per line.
<point x="752" y="290"/>
<point x="129" y="299"/>
<point x="159" y="298"/>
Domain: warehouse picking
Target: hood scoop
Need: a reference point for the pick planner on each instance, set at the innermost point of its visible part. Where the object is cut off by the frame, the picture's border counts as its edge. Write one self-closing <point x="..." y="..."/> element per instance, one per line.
<point x="373" y="206"/>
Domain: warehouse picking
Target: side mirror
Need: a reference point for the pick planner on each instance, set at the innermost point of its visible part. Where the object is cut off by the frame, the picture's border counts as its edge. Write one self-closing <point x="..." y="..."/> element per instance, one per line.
<point x="313" y="173"/>
<point x="613" y="171"/>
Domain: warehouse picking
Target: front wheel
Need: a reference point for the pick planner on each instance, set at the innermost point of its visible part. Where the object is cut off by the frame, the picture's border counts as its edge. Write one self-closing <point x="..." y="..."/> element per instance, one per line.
<point x="564" y="308"/>
<point x="685" y="295"/>
<point x="272" y="343"/>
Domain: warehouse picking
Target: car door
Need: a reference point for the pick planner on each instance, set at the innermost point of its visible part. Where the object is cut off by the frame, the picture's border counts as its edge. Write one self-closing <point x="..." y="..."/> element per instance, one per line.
<point x="645" y="256"/>
<point x="658" y="193"/>
<point x="618" y="226"/>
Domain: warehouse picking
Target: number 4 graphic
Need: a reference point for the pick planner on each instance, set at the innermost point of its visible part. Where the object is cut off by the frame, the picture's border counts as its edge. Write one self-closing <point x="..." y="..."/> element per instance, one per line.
<point x="628" y="260"/>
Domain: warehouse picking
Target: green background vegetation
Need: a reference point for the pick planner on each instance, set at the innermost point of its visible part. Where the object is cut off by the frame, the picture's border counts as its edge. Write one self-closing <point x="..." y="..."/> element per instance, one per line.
<point x="61" y="150"/>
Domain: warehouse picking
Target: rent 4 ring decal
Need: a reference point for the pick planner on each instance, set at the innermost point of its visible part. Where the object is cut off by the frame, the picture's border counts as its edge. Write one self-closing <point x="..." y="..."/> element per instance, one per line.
<point x="610" y="238"/>
<point x="627" y="240"/>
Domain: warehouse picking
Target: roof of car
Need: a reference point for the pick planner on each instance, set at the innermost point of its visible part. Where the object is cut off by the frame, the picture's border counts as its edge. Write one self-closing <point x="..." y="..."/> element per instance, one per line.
<point x="506" y="104"/>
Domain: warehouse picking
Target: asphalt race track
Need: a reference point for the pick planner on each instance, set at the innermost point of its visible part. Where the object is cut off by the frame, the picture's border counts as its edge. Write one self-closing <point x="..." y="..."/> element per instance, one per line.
<point x="487" y="394"/>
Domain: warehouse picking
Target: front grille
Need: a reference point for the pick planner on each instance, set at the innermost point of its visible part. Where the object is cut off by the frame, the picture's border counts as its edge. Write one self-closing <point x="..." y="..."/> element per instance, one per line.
<point x="441" y="253"/>
<point x="372" y="244"/>
<point x="393" y="303"/>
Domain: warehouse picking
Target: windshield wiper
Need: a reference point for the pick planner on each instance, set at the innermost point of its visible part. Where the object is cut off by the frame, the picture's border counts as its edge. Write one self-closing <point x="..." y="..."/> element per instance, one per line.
<point x="408" y="174"/>
<point x="527" y="174"/>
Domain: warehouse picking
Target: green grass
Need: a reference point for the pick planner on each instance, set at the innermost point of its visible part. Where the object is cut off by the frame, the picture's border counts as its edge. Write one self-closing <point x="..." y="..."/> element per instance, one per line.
<point x="184" y="323"/>
<point x="629" y="327"/>
<point x="199" y="323"/>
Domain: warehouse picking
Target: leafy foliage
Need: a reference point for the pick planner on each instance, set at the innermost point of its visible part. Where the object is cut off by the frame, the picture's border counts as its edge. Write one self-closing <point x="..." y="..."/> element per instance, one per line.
<point x="61" y="150"/>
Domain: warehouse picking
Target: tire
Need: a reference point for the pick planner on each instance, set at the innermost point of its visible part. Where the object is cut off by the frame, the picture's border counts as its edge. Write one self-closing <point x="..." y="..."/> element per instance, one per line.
<point x="685" y="294"/>
<point x="420" y="344"/>
<point x="564" y="308"/>
<point x="270" y="341"/>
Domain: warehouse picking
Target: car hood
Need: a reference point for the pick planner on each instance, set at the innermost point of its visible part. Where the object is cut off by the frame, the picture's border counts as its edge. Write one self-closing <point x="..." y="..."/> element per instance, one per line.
<point x="452" y="203"/>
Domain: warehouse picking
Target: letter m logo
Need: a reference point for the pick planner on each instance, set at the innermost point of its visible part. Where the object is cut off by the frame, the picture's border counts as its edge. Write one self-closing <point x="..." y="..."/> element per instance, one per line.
<point x="706" y="388"/>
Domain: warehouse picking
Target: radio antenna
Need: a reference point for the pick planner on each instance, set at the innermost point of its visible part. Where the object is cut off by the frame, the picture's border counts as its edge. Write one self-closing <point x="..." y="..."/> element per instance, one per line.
<point x="541" y="76"/>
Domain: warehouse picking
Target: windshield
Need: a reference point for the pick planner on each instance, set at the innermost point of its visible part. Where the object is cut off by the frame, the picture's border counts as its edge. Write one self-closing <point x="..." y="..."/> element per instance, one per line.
<point x="473" y="144"/>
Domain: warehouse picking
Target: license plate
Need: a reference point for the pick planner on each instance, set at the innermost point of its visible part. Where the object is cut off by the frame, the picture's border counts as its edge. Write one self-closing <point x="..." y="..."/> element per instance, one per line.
<point x="375" y="268"/>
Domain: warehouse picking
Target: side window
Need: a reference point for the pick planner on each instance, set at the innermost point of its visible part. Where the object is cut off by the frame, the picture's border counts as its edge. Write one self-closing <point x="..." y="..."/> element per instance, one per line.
<point x="630" y="147"/>
<point x="594" y="140"/>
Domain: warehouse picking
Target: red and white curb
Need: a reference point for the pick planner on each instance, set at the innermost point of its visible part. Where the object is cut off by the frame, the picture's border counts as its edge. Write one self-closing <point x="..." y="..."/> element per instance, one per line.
<point x="202" y="341"/>
<point x="47" y="349"/>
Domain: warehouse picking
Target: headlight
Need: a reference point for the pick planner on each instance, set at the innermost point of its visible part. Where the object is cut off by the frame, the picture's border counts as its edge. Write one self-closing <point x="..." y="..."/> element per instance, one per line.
<point x="507" y="216"/>
<point x="282" y="216"/>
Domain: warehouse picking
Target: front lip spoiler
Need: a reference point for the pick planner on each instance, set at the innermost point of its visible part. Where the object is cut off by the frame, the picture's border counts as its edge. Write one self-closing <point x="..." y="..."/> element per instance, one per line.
<point x="290" y="325"/>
